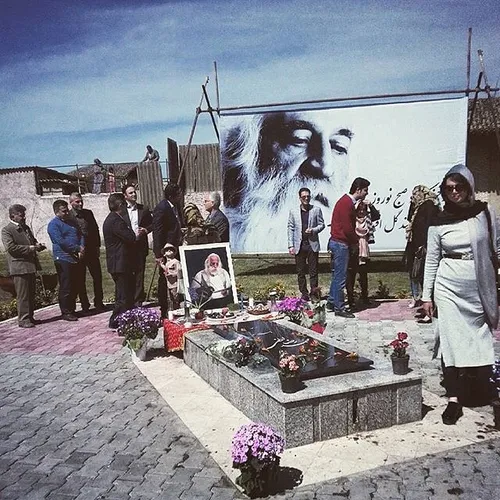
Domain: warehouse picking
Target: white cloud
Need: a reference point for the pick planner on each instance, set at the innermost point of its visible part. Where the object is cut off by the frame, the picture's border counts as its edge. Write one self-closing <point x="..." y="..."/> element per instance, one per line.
<point x="147" y="64"/>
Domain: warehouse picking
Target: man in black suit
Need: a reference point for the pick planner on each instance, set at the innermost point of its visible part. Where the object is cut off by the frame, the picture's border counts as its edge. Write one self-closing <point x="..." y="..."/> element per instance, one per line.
<point x="166" y="229"/>
<point x="119" y="240"/>
<point x="216" y="217"/>
<point x="140" y="219"/>
<point x="90" y="230"/>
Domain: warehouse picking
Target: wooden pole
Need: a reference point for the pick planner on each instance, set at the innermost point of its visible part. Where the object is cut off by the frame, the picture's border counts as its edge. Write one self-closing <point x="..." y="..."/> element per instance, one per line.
<point x="217" y="87"/>
<point x="469" y="42"/>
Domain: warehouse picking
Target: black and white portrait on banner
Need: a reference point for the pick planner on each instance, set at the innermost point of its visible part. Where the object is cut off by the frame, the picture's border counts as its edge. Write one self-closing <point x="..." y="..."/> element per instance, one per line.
<point x="208" y="275"/>
<point x="267" y="157"/>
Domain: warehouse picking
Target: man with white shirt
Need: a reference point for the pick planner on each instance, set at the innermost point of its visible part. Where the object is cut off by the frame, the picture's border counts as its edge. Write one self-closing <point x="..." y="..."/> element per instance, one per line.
<point x="140" y="220"/>
<point x="166" y="229"/>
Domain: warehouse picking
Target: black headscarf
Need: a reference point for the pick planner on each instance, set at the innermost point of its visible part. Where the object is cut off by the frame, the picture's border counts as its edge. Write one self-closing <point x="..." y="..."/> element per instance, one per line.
<point x="452" y="212"/>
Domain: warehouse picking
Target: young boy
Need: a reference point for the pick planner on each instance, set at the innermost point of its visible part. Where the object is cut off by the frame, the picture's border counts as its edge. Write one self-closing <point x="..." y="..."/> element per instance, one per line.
<point x="173" y="274"/>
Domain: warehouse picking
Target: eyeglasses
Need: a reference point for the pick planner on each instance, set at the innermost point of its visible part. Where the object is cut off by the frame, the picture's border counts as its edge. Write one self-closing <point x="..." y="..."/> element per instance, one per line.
<point x="459" y="188"/>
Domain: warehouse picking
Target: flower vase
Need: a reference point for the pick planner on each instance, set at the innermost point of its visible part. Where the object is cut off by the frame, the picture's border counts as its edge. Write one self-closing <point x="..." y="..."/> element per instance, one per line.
<point x="400" y="365"/>
<point x="290" y="385"/>
<point x="496" y="414"/>
<point x="142" y="352"/>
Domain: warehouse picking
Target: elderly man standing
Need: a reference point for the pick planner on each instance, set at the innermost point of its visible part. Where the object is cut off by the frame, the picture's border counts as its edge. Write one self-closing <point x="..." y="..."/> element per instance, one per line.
<point x="22" y="260"/>
<point x="140" y="219"/>
<point x="120" y="245"/>
<point x="67" y="250"/>
<point x="304" y="224"/>
<point x="216" y="216"/>
<point x="166" y="229"/>
<point x="90" y="230"/>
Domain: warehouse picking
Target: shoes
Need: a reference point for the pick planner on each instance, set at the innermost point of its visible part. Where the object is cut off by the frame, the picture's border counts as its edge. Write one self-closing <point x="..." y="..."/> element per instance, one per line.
<point x="101" y="308"/>
<point x="329" y="307"/>
<point x="414" y="304"/>
<point x="306" y="297"/>
<point x="424" y="321"/>
<point x="452" y="413"/>
<point x="26" y="324"/>
<point x="344" y="314"/>
<point x="84" y="312"/>
<point x="69" y="317"/>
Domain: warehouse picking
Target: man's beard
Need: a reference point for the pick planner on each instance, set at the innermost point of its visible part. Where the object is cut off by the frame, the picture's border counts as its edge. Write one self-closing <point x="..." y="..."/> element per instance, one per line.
<point x="260" y="223"/>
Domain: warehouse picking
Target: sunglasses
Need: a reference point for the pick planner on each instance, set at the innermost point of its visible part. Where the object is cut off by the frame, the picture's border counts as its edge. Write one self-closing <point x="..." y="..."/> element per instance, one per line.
<point x="459" y="188"/>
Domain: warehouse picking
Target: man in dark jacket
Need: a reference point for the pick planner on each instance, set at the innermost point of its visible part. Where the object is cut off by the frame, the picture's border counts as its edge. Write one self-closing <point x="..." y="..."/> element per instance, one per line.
<point x="140" y="219"/>
<point x="166" y="229"/>
<point x="90" y="230"/>
<point x="216" y="216"/>
<point x="22" y="260"/>
<point x="119" y="240"/>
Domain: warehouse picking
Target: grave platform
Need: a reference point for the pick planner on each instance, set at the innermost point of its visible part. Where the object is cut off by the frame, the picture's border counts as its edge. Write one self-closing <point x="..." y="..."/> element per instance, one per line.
<point x="327" y="407"/>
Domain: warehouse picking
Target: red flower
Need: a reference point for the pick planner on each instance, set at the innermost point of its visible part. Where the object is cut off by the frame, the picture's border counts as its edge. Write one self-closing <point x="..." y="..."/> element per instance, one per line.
<point x="402" y="336"/>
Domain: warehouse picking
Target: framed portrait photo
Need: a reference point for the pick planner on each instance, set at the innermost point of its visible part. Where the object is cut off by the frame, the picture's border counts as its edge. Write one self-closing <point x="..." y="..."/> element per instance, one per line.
<point x="208" y="275"/>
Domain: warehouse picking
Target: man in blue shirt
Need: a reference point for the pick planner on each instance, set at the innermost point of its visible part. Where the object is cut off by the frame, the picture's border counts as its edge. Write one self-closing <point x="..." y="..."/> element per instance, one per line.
<point x="67" y="251"/>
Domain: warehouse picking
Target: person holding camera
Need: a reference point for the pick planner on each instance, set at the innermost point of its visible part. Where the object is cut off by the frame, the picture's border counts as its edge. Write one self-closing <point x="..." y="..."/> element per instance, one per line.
<point x="22" y="248"/>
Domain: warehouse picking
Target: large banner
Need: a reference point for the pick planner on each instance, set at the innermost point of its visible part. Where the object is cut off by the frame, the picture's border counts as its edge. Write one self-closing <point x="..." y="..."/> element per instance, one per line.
<point x="268" y="157"/>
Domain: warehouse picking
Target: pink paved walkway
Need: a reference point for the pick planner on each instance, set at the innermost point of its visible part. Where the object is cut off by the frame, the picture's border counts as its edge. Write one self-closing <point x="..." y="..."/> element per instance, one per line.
<point x="88" y="335"/>
<point x="91" y="335"/>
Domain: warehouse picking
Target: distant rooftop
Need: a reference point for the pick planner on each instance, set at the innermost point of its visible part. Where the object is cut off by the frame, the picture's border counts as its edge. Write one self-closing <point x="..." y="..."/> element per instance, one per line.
<point x="483" y="121"/>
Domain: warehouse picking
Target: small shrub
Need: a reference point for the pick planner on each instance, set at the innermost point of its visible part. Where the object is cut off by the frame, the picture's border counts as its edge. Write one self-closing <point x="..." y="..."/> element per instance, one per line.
<point x="8" y="310"/>
<point x="263" y="293"/>
<point x="383" y="291"/>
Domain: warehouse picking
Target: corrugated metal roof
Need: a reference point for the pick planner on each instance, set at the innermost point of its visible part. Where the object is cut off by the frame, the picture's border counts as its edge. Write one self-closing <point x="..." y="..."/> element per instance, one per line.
<point x="150" y="183"/>
<point x="48" y="171"/>
<point x="202" y="167"/>
<point x="483" y="121"/>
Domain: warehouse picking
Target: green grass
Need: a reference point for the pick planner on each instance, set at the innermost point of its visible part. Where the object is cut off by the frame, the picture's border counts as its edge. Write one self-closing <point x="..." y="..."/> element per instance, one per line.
<point x="257" y="273"/>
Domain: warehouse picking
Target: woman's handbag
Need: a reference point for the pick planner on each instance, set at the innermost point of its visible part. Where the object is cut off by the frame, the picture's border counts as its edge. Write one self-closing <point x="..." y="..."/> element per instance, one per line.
<point x="494" y="256"/>
<point x="417" y="269"/>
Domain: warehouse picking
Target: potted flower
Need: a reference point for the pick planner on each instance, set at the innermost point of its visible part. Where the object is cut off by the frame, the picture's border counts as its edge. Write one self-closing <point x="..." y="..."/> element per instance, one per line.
<point x="495" y="379"/>
<point x="289" y="371"/>
<point x="136" y="326"/>
<point x="399" y="356"/>
<point x="255" y="451"/>
<point x="315" y="317"/>
<point x="293" y="307"/>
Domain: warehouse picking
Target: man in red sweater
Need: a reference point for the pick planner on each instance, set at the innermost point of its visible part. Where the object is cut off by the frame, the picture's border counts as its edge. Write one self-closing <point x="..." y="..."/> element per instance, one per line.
<point x="343" y="241"/>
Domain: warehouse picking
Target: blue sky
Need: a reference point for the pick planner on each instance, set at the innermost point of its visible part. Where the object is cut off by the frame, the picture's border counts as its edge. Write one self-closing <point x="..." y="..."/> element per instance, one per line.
<point x="80" y="80"/>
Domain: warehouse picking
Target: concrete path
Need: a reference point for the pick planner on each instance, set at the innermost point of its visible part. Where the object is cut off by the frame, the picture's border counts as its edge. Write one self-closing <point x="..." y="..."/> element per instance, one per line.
<point x="78" y="420"/>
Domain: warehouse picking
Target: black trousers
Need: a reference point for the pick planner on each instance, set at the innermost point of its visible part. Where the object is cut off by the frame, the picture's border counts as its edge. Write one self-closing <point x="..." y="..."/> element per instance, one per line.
<point x="353" y="269"/>
<point x="471" y="385"/>
<point x="124" y="295"/>
<point x="68" y="275"/>
<point x="162" y="294"/>
<point x="140" y="266"/>
<point x="304" y="259"/>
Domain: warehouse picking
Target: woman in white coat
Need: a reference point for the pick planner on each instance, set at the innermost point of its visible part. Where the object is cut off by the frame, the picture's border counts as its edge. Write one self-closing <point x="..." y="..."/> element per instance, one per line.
<point x="460" y="268"/>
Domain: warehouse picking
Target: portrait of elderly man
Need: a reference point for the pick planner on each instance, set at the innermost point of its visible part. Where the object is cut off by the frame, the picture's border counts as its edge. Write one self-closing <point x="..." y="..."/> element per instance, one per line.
<point x="267" y="158"/>
<point x="212" y="284"/>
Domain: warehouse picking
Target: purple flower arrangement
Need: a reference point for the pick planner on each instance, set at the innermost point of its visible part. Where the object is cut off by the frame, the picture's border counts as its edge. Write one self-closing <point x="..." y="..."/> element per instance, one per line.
<point x="292" y="307"/>
<point x="135" y="324"/>
<point x="256" y="450"/>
